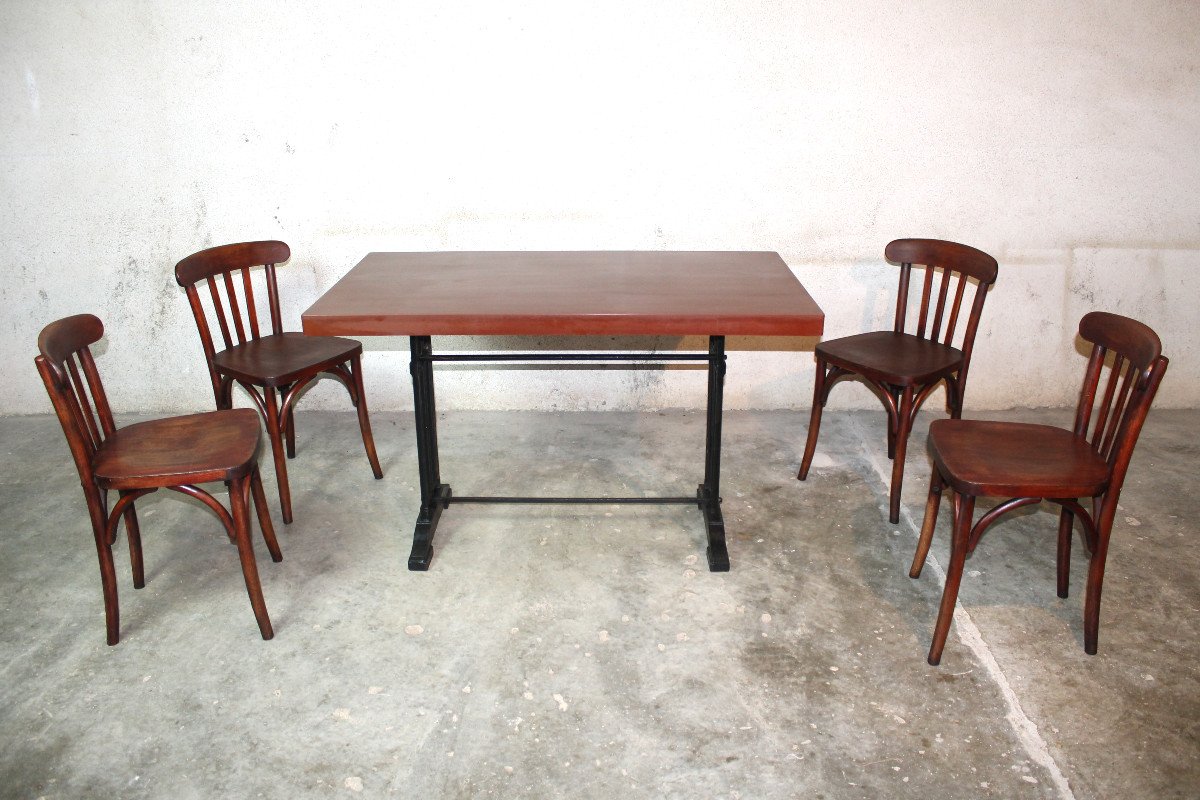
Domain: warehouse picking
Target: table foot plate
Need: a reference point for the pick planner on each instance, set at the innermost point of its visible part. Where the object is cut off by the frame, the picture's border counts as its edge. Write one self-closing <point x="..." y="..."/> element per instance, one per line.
<point x="714" y="526"/>
<point x="427" y="520"/>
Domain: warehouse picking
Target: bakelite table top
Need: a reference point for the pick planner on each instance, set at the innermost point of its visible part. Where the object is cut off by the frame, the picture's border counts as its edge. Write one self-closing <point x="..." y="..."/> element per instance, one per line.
<point x="587" y="293"/>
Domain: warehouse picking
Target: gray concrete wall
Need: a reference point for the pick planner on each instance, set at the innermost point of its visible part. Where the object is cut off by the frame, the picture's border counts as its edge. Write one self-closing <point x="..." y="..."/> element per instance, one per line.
<point x="1062" y="138"/>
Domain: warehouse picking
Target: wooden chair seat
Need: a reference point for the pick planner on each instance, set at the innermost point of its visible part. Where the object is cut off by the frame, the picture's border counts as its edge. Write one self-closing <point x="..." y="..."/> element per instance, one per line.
<point x="899" y="359"/>
<point x="213" y="446"/>
<point x="1001" y="459"/>
<point x="284" y="358"/>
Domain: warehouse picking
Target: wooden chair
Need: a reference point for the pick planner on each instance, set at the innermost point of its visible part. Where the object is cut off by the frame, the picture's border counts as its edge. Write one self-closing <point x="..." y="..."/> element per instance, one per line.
<point x="175" y="453"/>
<point x="280" y="364"/>
<point x="1029" y="463"/>
<point x="904" y="368"/>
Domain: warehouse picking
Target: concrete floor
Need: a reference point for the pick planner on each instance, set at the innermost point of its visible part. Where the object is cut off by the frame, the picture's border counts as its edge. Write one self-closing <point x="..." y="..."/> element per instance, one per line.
<point x="586" y="652"/>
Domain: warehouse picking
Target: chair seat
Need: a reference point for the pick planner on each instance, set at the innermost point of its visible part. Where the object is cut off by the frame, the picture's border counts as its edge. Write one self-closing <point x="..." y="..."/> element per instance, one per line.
<point x="284" y="357"/>
<point x="197" y="448"/>
<point x="1016" y="459"/>
<point x="900" y="359"/>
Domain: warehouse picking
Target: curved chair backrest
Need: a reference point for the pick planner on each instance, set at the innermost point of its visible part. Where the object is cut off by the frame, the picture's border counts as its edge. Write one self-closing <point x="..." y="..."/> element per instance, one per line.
<point x="1115" y="416"/>
<point x="957" y="263"/>
<point x="235" y="317"/>
<point x="66" y="366"/>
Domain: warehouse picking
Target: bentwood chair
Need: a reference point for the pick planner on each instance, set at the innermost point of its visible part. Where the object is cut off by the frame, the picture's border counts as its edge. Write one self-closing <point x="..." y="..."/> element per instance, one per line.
<point x="175" y="453"/>
<point x="904" y="368"/>
<point x="1029" y="463"/>
<point x="279" y="364"/>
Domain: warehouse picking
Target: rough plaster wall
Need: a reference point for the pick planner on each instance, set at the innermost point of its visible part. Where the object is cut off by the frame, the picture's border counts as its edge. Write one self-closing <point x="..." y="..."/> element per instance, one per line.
<point x="1062" y="138"/>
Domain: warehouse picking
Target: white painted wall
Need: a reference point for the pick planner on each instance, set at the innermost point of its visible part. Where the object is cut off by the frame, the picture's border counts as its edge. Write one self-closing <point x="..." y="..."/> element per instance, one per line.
<point x="1063" y="138"/>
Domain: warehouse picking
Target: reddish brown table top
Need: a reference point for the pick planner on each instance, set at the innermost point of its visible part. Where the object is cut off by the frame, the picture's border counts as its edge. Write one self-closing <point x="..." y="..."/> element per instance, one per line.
<point x="572" y="293"/>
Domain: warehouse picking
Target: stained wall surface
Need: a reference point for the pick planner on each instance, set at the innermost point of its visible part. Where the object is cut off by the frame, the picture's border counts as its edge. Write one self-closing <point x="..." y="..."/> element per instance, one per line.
<point x="1059" y="137"/>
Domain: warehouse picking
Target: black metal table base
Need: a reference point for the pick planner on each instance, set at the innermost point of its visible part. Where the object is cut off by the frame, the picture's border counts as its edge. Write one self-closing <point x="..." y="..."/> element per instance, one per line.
<point x="437" y="496"/>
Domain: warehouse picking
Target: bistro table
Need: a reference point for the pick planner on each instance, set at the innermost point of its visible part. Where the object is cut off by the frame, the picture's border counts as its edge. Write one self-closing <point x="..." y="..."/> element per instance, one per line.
<point x="583" y="293"/>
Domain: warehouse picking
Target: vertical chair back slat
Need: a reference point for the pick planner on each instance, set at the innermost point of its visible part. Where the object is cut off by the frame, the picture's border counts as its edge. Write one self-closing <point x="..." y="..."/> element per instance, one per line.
<point x="251" y="309"/>
<point x="925" y="289"/>
<point x="936" y="327"/>
<point x="1118" y="413"/>
<point x="219" y="311"/>
<point x="273" y="299"/>
<point x="952" y="324"/>
<point x="902" y="297"/>
<point x="235" y="312"/>
<point x="96" y="389"/>
<point x="1087" y="399"/>
<point x="82" y="404"/>
<point x="1102" y="412"/>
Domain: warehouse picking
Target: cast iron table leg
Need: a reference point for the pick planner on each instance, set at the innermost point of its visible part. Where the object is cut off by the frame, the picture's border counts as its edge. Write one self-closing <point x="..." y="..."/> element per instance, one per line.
<point x="708" y="495"/>
<point x="435" y="495"/>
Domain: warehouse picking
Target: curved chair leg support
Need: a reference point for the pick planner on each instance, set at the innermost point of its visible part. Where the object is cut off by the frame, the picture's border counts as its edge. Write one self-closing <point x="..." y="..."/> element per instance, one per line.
<point x="364" y="421"/>
<point x="814" y="421"/>
<point x="241" y="528"/>
<point x="264" y="516"/>
<point x="255" y="397"/>
<point x="928" y="525"/>
<point x="904" y="424"/>
<point x="987" y="519"/>
<point x="274" y="433"/>
<point x="964" y="509"/>
<point x="289" y="426"/>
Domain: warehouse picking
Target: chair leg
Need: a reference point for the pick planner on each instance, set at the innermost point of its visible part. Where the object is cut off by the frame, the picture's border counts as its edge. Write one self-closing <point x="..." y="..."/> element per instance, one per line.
<point x="903" y="425"/>
<point x="108" y="572"/>
<point x="133" y="533"/>
<point x="275" y="434"/>
<point x="964" y="509"/>
<point x="1066" y="521"/>
<point x="241" y="532"/>
<point x="931" y="515"/>
<point x="364" y="421"/>
<point x="954" y="389"/>
<point x="814" y="421"/>
<point x="264" y="516"/>
<point x="1095" y="582"/>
